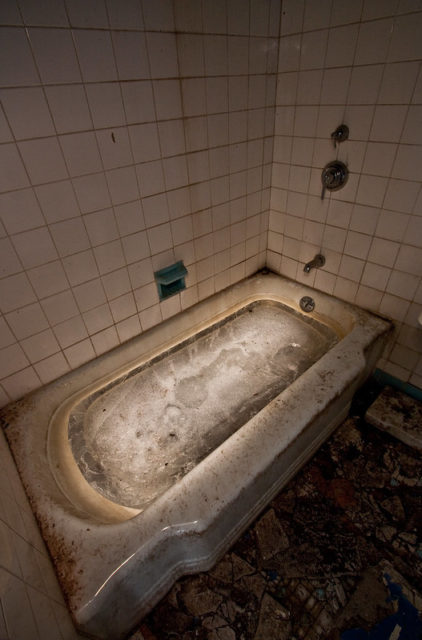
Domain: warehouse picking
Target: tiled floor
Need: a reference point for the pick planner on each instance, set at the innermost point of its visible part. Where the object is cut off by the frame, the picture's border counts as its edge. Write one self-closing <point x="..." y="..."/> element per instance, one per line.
<point x="312" y="566"/>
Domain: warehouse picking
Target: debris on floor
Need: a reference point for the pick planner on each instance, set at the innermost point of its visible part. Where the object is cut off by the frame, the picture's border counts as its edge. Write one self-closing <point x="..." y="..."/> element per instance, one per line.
<point x="337" y="555"/>
<point x="398" y="414"/>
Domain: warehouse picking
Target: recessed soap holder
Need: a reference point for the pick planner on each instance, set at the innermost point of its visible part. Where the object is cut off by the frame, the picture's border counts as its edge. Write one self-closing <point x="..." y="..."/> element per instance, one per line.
<point x="171" y="280"/>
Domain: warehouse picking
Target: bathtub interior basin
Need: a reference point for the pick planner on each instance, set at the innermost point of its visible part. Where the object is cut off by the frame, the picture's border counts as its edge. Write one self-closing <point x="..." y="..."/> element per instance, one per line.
<point x="148" y="462"/>
<point x="136" y="437"/>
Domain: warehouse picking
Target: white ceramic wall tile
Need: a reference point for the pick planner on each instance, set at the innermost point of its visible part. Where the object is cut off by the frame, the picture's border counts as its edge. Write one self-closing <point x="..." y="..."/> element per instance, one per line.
<point x="69" y="108"/>
<point x="57" y="201"/>
<point x="48" y="279"/>
<point x="125" y="16"/>
<point x="55" y="55"/>
<point x="131" y="55"/>
<point x="43" y="160"/>
<point x="95" y="54"/>
<point x="15" y="292"/>
<point x="27" y="112"/>
<point x="49" y="13"/>
<point x="159" y="15"/>
<point x="81" y="153"/>
<point x="15" y="47"/>
<point x="12" y="170"/>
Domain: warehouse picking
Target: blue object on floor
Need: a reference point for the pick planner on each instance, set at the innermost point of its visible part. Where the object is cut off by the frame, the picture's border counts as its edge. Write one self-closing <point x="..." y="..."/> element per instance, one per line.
<point x="171" y="280"/>
<point x="405" y="624"/>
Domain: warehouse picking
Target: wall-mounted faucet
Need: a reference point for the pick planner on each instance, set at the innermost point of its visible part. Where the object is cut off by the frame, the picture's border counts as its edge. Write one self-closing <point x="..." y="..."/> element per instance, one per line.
<point x="316" y="263"/>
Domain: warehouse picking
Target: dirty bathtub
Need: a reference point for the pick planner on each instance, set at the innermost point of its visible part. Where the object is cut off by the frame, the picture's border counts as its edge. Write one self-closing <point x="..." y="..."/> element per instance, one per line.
<point x="148" y="462"/>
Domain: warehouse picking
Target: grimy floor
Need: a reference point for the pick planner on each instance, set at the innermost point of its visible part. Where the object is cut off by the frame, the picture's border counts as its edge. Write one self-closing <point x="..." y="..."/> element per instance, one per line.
<point x="336" y="555"/>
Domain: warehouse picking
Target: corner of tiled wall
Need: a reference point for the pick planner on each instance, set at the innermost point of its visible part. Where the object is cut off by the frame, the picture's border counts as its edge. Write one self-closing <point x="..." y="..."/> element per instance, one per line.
<point x="132" y="134"/>
<point x="358" y="63"/>
<point x="31" y="602"/>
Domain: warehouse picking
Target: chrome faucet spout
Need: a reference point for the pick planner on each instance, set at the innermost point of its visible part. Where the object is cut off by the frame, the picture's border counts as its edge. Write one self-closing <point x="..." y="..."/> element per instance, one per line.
<point x="316" y="263"/>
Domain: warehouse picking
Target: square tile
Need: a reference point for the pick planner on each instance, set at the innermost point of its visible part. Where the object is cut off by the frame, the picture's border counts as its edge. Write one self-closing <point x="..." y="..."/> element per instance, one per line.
<point x="114" y="147"/>
<point x="105" y="340"/>
<point x="48" y="279"/>
<point x="162" y="52"/>
<point x="95" y="53"/>
<point x="58" y="201"/>
<point x="151" y="177"/>
<point x="34" y="247"/>
<point x="375" y="276"/>
<point x="27" y="112"/>
<point x="373" y="41"/>
<point x="12" y="170"/>
<point x="70" y="236"/>
<point x="383" y="252"/>
<point x="52" y="368"/>
<point x="123" y="185"/>
<point x="388" y="123"/>
<point x="155" y="210"/>
<point x="87" y="14"/>
<point x="159" y="15"/>
<point x="168" y="100"/>
<point x="60" y="307"/>
<point x="55" y="55"/>
<point x="139" y="101"/>
<point x="40" y="346"/>
<point x="341" y="48"/>
<point x="379" y="158"/>
<point x="43" y="160"/>
<point x="398" y="83"/>
<point x="364" y="84"/>
<point x="109" y="257"/>
<point x="129" y="217"/>
<point x="20" y="211"/>
<point x="90" y="294"/>
<point x="193" y="93"/>
<point x="92" y="192"/>
<point x="27" y="321"/>
<point x="125" y="16"/>
<point x="406" y="42"/>
<point x="51" y="13"/>
<point x="116" y="283"/>
<point x="80" y="267"/>
<point x="131" y="55"/>
<point x="160" y="238"/>
<point x="98" y="318"/>
<point x="69" y="107"/>
<point x="81" y="153"/>
<point x="70" y="331"/>
<point x="101" y="227"/>
<point x="21" y="383"/>
<point x="136" y="247"/>
<point x="144" y="139"/>
<point x="15" y="292"/>
<point x="190" y="50"/>
<point x="15" y="46"/>
<point x="105" y="103"/>
<point x="79" y="353"/>
<point x="407" y="165"/>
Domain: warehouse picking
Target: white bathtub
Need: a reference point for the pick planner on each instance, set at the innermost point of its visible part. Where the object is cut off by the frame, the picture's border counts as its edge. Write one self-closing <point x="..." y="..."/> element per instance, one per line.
<point x="114" y="561"/>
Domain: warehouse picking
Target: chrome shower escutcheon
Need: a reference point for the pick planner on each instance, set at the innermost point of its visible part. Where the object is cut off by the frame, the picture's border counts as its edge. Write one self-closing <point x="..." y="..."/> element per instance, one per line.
<point x="334" y="176"/>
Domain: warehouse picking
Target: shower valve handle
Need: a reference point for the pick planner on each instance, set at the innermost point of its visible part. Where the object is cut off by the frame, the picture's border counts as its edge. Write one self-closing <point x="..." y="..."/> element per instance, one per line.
<point x="334" y="176"/>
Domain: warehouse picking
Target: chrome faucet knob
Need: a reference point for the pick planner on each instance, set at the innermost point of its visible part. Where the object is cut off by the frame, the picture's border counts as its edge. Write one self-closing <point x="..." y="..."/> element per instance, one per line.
<point x="334" y="176"/>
